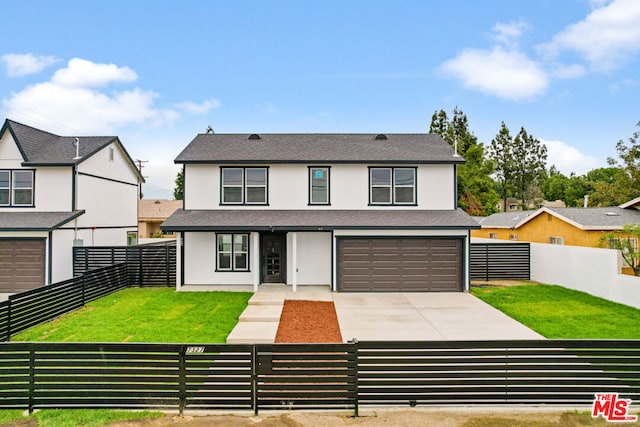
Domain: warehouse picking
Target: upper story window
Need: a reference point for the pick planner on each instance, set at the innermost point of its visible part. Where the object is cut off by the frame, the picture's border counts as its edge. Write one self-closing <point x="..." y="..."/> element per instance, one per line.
<point x="319" y="185"/>
<point x="392" y="186"/>
<point x="244" y="186"/>
<point x="111" y="154"/>
<point x="16" y="188"/>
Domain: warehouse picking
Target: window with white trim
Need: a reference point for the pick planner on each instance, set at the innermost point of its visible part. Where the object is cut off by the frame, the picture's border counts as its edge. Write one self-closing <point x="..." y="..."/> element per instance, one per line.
<point x="16" y="187"/>
<point x="493" y="235"/>
<point x="392" y="186"/>
<point x="513" y="237"/>
<point x="244" y="186"/>
<point x="555" y="240"/>
<point x="232" y="252"/>
<point x="318" y="185"/>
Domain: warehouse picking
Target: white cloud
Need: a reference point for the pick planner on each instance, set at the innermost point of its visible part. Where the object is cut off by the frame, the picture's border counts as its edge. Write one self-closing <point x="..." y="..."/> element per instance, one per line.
<point x="562" y="71"/>
<point x="508" y="33"/>
<point x="199" y="108"/>
<point x="507" y="74"/>
<point x="75" y="101"/>
<point x="18" y="64"/>
<point x="82" y="73"/>
<point x="605" y="38"/>
<point x="567" y="158"/>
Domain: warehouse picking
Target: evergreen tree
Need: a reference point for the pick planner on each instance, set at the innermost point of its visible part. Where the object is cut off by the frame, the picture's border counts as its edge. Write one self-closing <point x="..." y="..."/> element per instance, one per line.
<point x="530" y="162"/>
<point x="178" y="191"/>
<point x="501" y="152"/>
<point x="476" y="192"/>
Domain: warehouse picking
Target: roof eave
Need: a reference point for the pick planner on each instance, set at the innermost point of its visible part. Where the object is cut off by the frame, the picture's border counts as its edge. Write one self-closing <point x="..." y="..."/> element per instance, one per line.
<point x="370" y="162"/>
<point x="209" y="228"/>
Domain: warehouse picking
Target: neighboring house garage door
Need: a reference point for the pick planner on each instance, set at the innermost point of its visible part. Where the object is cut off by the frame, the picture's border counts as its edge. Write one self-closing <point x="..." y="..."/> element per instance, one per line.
<point x="22" y="263"/>
<point x="399" y="264"/>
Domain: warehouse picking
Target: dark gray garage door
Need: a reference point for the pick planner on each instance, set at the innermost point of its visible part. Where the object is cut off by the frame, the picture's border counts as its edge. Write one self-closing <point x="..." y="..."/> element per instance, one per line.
<point x="21" y="264"/>
<point x="399" y="265"/>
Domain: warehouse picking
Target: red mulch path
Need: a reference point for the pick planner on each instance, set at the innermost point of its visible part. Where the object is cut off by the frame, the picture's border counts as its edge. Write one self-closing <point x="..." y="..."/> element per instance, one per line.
<point x="308" y="322"/>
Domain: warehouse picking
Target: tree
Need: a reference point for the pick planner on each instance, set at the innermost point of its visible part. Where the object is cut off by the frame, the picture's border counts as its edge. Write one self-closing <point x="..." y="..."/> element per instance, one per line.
<point x="530" y="162"/>
<point x="626" y="241"/>
<point x="178" y="191"/>
<point x="476" y="192"/>
<point x="501" y="152"/>
<point x="554" y="185"/>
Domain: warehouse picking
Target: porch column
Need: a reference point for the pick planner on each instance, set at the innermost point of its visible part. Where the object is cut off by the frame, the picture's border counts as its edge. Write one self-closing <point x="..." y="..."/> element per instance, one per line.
<point x="255" y="257"/>
<point x="294" y="260"/>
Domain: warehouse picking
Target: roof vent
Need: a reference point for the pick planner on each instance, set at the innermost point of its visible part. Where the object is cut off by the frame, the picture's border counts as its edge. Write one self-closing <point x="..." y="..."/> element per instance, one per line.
<point x="254" y="136"/>
<point x="612" y="214"/>
<point x="381" y="137"/>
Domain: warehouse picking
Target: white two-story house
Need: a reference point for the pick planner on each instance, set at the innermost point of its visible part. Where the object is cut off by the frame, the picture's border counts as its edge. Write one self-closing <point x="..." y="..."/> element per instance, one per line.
<point x="57" y="192"/>
<point x="356" y="212"/>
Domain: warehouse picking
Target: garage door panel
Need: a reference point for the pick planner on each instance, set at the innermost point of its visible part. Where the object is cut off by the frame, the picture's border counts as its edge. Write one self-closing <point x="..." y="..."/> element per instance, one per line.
<point x="22" y="264"/>
<point x="399" y="264"/>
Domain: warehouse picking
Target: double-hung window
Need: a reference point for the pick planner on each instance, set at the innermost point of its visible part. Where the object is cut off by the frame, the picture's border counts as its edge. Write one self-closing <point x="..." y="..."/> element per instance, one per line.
<point x="233" y="252"/>
<point x="244" y="186"/>
<point x="319" y="185"/>
<point x="16" y="188"/>
<point x="392" y="186"/>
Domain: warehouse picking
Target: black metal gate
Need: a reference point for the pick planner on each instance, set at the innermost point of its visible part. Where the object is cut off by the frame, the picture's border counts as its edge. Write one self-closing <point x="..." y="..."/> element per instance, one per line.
<point x="494" y="261"/>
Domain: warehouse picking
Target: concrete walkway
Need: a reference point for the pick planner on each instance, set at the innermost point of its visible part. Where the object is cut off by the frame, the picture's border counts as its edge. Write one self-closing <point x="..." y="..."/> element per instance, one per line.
<point x="384" y="316"/>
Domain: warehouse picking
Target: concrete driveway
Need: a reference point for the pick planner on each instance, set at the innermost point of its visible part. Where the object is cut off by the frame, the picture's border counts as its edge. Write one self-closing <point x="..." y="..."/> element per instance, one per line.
<point x="424" y="316"/>
<point x="385" y="316"/>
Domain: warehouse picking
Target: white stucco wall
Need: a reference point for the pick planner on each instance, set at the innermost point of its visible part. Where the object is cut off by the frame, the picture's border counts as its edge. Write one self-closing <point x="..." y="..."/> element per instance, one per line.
<point x="200" y="263"/>
<point x="591" y="270"/>
<point x="313" y="258"/>
<point x="100" y="165"/>
<point x="349" y="187"/>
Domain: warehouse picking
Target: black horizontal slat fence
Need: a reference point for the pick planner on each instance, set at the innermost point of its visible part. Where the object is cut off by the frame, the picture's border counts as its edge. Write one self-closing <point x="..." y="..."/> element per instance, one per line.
<point x="26" y="309"/>
<point x="147" y="265"/>
<point x="321" y="376"/>
<point x="495" y="261"/>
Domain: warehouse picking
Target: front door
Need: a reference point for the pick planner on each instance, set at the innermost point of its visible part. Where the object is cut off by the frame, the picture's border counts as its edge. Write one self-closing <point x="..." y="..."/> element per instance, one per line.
<point x="274" y="256"/>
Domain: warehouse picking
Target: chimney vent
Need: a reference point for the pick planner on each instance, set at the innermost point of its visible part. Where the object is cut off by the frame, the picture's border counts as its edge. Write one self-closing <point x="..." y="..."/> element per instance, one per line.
<point x="381" y="137"/>
<point x="254" y="136"/>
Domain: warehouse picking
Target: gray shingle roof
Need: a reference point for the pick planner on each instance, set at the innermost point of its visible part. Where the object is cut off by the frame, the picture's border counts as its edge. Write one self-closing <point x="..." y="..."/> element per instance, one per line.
<point x="504" y="219"/>
<point x="42" y="148"/>
<point x="329" y="148"/>
<point x="600" y="218"/>
<point x="35" y="221"/>
<point x="252" y="219"/>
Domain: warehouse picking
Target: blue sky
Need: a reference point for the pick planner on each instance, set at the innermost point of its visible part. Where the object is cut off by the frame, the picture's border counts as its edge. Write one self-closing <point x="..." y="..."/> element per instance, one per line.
<point x="157" y="73"/>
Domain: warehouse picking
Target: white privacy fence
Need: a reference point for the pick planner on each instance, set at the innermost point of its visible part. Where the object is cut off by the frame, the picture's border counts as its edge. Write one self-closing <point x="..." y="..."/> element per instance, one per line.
<point x="592" y="270"/>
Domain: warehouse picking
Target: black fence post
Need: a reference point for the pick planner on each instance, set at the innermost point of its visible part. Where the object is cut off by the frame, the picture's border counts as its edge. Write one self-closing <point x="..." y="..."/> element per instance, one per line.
<point x="254" y="379"/>
<point x="32" y="374"/>
<point x="354" y="342"/>
<point x="9" y="319"/>
<point x="182" y="379"/>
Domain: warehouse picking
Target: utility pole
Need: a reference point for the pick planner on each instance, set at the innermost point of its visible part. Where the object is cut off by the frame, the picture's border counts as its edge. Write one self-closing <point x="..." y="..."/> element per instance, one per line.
<point x="140" y="166"/>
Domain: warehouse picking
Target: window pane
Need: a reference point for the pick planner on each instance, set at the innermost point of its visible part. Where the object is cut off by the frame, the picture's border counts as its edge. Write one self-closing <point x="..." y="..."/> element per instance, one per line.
<point x="241" y="262"/>
<point x="232" y="176"/>
<point x="4" y="179"/>
<point x="257" y="176"/>
<point x="241" y="242"/>
<point x="232" y="195"/>
<point x="22" y="197"/>
<point x="256" y="195"/>
<point x="404" y="194"/>
<point x="381" y="195"/>
<point x="224" y="261"/>
<point x="404" y="176"/>
<point x="4" y="197"/>
<point x="224" y="242"/>
<point x="319" y="195"/>
<point x="22" y="179"/>
<point x="380" y="176"/>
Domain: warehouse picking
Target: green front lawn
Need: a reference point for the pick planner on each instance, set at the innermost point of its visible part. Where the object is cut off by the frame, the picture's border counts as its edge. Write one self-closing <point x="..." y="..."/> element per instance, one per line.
<point x="147" y="315"/>
<point x="75" y="417"/>
<point x="557" y="312"/>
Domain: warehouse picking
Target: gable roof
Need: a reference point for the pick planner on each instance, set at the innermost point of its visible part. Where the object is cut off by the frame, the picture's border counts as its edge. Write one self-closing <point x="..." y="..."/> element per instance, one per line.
<point x="264" y="219"/>
<point x="157" y="208"/>
<point x="504" y="219"/>
<point x="36" y="221"/>
<point x="610" y="218"/>
<point x="41" y="148"/>
<point x="315" y="147"/>
<point x="635" y="203"/>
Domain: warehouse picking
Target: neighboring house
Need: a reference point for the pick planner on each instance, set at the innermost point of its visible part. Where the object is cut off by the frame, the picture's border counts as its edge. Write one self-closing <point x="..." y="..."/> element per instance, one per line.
<point x="53" y="197"/>
<point x="152" y="213"/>
<point x="561" y="226"/>
<point x="357" y="212"/>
